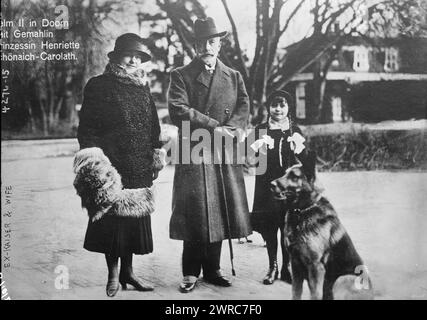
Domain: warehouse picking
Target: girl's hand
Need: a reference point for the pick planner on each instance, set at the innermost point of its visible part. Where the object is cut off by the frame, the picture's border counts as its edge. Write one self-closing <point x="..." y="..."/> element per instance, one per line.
<point x="296" y="143"/>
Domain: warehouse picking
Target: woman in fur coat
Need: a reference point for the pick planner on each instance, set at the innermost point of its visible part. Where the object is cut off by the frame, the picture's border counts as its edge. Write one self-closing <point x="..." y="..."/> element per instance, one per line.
<point x="118" y="115"/>
<point x="281" y="141"/>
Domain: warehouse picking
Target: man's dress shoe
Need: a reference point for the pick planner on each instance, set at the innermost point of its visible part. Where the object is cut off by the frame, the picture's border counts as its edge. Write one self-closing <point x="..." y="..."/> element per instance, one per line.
<point x="188" y="284"/>
<point x="218" y="281"/>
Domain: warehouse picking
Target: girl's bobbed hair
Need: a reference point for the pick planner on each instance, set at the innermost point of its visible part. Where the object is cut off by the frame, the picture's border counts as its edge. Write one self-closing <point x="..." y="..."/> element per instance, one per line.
<point x="276" y="95"/>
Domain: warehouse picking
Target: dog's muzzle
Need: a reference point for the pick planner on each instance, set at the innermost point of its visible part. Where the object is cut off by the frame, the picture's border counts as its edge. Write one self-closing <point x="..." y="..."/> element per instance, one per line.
<point x="281" y="192"/>
<point x="278" y="193"/>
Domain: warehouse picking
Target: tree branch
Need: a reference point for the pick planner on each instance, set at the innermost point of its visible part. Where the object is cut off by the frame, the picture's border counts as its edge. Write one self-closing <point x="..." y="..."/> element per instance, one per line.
<point x="236" y="41"/>
<point x="294" y="12"/>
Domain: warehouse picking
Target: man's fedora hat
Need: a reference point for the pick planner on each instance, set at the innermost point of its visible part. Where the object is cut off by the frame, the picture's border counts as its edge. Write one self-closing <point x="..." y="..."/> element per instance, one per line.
<point x="129" y="42"/>
<point x="205" y="29"/>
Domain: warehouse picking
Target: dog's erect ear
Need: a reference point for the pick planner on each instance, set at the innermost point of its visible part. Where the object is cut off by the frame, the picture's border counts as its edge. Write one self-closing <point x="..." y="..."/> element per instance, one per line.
<point x="298" y="165"/>
<point x="309" y="166"/>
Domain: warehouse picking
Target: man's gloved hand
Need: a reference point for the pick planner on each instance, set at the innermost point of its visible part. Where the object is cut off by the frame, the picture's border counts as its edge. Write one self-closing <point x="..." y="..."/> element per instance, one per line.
<point x="224" y="131"/>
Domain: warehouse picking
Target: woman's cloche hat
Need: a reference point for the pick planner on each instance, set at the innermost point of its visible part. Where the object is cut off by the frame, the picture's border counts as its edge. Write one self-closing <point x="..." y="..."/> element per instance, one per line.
<point x="206" y="29"/>
<point x="129" y="42"/>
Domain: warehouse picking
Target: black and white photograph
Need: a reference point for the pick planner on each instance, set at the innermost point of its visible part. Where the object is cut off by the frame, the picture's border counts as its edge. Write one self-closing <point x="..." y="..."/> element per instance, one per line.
<point x="211" y="151"/>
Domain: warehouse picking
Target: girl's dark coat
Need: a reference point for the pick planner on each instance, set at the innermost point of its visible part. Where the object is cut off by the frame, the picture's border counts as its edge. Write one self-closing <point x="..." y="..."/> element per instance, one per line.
<point x="268" y="213"/>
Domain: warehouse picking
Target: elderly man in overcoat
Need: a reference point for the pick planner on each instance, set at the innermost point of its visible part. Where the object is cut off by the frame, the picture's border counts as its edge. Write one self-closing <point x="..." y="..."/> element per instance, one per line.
<point x="209" y="201"/>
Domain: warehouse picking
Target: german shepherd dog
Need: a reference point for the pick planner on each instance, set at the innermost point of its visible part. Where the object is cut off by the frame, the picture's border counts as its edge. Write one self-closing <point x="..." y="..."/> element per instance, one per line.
<point x="320" y="249"/>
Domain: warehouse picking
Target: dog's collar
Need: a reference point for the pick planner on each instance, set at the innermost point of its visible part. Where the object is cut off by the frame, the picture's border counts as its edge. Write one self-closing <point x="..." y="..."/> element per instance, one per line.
<point x="314" y="205"/>
<point x="305" y="210"/>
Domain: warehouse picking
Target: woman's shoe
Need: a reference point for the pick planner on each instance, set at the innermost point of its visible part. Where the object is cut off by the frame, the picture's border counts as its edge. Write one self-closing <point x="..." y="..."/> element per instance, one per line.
<point x="272" y="274"/>
<point x="136" y="283"/>
<point x="112" y="287"/>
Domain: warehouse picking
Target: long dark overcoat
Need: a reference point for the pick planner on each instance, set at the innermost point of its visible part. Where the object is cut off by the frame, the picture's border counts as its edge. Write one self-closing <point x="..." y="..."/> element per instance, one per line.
<point x="121" y="119"/>
<point x="198" y="205"/>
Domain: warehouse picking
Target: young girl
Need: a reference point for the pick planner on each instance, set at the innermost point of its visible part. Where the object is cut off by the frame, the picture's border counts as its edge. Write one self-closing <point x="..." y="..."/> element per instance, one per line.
<point x="283" y="143"/>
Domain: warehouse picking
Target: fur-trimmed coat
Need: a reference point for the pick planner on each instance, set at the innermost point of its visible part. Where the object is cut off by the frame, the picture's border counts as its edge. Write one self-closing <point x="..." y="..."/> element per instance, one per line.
<point x="120" y="118"/>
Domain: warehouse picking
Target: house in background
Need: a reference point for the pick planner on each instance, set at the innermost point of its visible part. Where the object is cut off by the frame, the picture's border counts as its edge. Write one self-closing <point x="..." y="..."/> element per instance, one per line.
<point x="368" y="81"/>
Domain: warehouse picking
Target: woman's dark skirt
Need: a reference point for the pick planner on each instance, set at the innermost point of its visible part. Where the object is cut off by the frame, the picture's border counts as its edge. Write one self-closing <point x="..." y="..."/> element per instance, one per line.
<point x="119" y="236"/>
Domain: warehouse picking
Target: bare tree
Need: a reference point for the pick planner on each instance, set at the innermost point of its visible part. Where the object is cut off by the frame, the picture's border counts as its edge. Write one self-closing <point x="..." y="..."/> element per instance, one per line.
<point x="380" y="18"/>
<point x="268" y="70"/>
<point x="181" y="13"/>
<point x="332" y="21"/>
<point x="50" y="88"/>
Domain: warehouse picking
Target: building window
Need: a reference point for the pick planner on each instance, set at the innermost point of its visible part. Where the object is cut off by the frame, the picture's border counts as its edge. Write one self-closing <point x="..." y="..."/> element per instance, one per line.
<point x="391" y="62"/>
<point x="336" y="109"/>
<point x="300" y="100"/>
<point x="361" y="59"/>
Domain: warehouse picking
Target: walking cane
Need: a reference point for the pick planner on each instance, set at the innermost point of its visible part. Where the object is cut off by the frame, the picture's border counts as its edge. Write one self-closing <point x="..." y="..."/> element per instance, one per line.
<point x="227" y="220"/>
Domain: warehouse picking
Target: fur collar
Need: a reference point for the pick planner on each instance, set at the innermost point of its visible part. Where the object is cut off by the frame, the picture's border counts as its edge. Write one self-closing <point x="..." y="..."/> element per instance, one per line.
<point x="137" y="78"/>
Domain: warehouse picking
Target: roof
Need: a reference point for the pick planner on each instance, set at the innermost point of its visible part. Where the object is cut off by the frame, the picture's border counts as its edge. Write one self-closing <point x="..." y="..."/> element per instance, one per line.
<point x="412" y="53"/>
<point x="300" y="55"/>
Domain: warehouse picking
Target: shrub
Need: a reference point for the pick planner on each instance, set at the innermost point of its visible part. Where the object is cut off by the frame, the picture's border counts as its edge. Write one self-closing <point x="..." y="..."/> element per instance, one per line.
<point x="370" y="150"/>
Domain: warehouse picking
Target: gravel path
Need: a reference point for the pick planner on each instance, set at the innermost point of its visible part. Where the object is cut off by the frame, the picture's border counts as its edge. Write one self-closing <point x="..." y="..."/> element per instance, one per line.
<point x="384" y="213"/>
